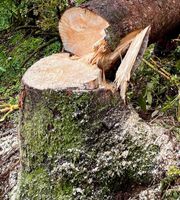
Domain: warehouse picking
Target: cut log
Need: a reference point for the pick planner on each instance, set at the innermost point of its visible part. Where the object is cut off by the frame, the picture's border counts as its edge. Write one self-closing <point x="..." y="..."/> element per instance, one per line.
<point x="78" y="141"/>
<point x="81" y="28"/>
<point x="103" y="31"/>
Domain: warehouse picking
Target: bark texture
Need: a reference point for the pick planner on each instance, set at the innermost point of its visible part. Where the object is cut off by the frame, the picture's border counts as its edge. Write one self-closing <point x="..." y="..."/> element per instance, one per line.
<point x="126" y="16"/>
<point x="54" y="123"/>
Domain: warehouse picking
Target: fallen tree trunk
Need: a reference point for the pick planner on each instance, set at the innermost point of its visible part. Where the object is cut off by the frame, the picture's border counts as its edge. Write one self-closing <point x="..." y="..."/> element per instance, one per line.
<point x="115" y="19"/>
<point x="104" y="30"/>
<point x="78" y="141"/>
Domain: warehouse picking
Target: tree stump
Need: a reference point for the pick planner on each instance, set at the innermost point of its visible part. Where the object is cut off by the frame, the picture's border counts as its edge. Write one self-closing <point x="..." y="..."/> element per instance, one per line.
<point x="78" y="141"/>
<point x="62" y="104"/>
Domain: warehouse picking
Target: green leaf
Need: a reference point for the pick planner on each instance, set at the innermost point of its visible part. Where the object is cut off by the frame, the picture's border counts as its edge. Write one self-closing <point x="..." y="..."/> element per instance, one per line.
<point x="2" y="69"/>
<point x="142" y="102"/>
<point x="149" y="98"/>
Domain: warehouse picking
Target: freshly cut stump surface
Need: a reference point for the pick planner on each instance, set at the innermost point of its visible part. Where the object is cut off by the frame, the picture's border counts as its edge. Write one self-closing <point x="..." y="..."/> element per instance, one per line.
<point x="60" y="72"/>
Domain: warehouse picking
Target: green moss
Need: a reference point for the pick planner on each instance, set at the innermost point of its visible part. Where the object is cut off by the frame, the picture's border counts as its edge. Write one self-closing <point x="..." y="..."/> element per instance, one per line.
<point x="65" y="134"/>
<point x="38" y="185"/>
<point x="54" y="130"/>
<point x="173" y="171"/>
<point x="7" y="11"/>
<point x="13" y="53"/>
<point x="64" y="119"/>
<point x="62" y="191"/>
<point x="57" y="119"/>
<point x="52" y="48"/>
<point x="16" y="38"/>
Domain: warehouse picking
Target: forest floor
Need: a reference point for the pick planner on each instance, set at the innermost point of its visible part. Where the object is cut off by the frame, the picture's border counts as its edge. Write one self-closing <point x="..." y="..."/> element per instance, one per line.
<point x="154" y="97"/>
<point x="9" y="158"/>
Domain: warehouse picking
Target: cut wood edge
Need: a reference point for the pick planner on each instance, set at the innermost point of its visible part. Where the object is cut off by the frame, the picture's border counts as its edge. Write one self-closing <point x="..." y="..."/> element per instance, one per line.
<point x="131" y="59"/>
<point x="123" y="45"/>
<point x="103" y="57"/>
<point x="80" y="30"/>
<point x="60" y="72"/>
<point x="83" y="33"/>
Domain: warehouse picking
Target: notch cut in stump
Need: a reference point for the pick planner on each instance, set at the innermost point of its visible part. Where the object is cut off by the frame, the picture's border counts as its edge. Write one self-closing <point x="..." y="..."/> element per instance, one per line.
<point x="62" y="104"/>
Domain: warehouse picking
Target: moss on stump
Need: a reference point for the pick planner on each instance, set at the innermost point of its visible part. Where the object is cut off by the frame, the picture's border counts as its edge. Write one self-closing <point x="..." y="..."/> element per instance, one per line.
<point x="52" y="124"/>
<point x="54" y="121"/>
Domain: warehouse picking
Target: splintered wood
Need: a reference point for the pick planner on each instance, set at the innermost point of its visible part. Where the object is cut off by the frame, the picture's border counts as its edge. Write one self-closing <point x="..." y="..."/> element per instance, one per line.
<point x="84" y="34"/>
<point x="139" y="43"/>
